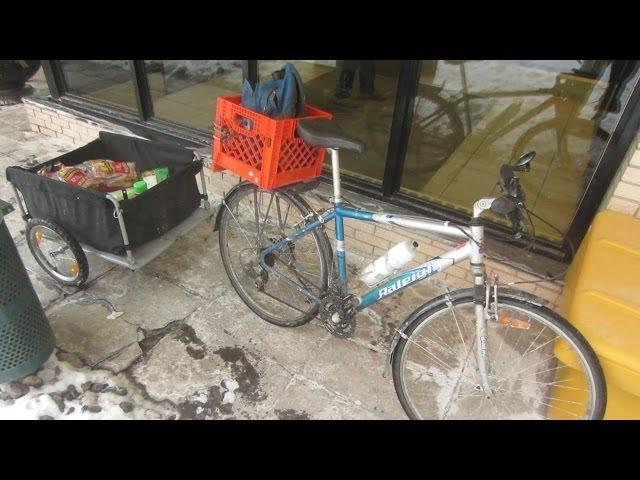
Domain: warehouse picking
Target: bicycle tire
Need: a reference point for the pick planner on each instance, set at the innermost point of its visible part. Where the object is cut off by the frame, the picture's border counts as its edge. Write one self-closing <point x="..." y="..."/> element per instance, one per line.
<point x="321" y="241"/>
<point x="453" y="122"/>
<point x="461" y="297"/>
<point x="73" y="245"/>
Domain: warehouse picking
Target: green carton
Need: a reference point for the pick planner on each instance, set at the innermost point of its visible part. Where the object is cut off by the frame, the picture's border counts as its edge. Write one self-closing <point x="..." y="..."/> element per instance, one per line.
<point x="162" y="173"/>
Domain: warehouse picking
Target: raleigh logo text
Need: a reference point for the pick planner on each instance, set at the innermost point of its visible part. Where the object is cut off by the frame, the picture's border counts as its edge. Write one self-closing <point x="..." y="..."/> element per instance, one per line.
<point x="408" y="280"/>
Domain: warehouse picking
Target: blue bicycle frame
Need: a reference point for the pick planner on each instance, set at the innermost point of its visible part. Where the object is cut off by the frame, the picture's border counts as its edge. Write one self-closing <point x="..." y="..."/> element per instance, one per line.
<point x="469" y="249"/>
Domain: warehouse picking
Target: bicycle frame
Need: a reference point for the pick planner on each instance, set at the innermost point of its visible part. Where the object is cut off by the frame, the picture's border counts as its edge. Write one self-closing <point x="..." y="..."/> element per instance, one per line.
<point x="471" y="249"/>
<point x="338" y="213"/>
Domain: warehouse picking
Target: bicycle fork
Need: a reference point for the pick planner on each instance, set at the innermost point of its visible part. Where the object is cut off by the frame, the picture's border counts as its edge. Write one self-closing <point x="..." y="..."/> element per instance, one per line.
<point x="481" y="348"/>
<point x="479" y="294"/>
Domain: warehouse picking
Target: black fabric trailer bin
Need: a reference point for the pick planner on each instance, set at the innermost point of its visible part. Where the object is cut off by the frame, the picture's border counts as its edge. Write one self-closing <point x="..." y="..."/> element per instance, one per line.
<point x="89" y="216"/>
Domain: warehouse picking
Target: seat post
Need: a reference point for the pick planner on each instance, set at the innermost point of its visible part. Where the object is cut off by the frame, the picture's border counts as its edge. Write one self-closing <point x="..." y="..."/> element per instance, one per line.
<point x="339" y="221"/>
<point x="335" y="170"/>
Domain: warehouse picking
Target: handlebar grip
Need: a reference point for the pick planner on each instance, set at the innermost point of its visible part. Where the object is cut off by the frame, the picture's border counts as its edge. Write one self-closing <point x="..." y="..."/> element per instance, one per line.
<point x="507" y="206"/>
<point x="503" y="205"/>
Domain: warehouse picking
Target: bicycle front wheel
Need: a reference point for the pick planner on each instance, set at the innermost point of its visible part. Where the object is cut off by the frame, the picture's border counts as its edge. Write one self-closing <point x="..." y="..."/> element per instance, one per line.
<point x="539" y="365"/>
<point x="250" y="221"/>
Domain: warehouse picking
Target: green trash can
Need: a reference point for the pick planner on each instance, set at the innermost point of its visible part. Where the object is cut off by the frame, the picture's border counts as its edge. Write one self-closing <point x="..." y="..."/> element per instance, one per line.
<point x="26" y="338"/>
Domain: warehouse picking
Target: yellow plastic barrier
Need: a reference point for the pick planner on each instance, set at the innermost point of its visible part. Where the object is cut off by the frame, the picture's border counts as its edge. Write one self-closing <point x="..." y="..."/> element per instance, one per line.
<point x="601" y="299"/>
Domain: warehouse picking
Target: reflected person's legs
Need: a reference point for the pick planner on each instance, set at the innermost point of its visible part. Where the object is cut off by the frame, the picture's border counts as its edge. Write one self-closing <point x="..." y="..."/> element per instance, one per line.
<point x="621" y="72"/>
<point x="611" y="102"/>
<point x="367" y="78"/>
<point x="345" y="80"/>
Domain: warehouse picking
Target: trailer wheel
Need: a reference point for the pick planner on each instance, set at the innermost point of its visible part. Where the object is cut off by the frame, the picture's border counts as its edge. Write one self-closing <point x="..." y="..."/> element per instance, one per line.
<point x="57" y="252"/>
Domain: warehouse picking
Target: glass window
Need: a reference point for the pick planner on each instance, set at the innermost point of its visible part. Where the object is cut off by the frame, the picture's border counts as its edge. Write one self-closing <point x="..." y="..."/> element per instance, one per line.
<point x="361" y="96"/>
<point x="185" y="91"/>
<point x="104" y="80"/>
<point x="470" y="117"/>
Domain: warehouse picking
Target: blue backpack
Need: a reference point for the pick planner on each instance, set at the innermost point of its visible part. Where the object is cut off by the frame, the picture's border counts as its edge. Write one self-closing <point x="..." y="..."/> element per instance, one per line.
<point x="280" y="96"/>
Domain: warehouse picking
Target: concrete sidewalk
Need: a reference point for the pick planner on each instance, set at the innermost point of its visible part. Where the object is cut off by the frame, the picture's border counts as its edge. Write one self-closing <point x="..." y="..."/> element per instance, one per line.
<point x="173" y="340"/>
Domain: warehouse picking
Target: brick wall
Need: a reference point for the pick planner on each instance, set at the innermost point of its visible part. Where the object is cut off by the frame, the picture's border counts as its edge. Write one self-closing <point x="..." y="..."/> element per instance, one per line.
<point x="624" y="193"/>
<point x="60" y="124"/>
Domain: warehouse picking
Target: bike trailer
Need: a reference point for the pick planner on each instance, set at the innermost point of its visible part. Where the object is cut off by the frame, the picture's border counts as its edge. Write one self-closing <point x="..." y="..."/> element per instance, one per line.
<point x="90" y="217"/>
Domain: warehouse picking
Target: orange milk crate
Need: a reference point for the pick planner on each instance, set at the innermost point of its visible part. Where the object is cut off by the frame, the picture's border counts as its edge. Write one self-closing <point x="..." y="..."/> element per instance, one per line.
<point x="263" y="150"/>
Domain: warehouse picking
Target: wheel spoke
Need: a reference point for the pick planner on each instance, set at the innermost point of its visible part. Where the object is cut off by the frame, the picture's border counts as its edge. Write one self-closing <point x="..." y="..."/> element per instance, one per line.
<point x="546" y="359"/>
<point x="262" y="221"/>
<point x="239" y="226"/>
<point x="266" y="215"/>
<point x="257" y="214"/>
<point x="523" y="381"/>
<point x="558" y="384"/>
<point x="456" y="387"/>
<point x="280" y="223"/>
<point x="438" y="360"/>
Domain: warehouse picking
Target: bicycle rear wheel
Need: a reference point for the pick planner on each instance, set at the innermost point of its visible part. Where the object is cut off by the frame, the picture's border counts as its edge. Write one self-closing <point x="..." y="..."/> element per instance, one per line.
<point x="251" y="220"/>
<point x="540" y="367"/>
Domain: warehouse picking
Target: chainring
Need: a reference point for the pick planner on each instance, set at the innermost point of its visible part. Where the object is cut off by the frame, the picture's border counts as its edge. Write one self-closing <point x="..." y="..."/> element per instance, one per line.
<point x="336" y="306"/>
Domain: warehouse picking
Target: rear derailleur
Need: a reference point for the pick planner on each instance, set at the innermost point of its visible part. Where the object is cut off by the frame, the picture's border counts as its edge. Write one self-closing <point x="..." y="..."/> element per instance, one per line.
<point x="338" y="314"/>
<point x="256" y="273"/>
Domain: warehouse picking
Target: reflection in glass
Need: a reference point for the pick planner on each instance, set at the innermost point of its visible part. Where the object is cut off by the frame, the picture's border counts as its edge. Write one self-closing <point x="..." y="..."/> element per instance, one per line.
<point x="361" y="95"/>
<point x="104" y="80"/>
<point x="470" y="117"/>
<point x="185" y="91"/>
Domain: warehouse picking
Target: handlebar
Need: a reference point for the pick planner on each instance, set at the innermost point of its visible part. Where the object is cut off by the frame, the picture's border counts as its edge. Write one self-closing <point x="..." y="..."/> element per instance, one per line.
<point x="510" y="208"/>
<point x="511" y="203"/>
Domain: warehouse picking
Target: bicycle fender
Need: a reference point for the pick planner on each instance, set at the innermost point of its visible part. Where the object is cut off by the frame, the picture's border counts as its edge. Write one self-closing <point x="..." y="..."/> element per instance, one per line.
<point x="455" y="295"/>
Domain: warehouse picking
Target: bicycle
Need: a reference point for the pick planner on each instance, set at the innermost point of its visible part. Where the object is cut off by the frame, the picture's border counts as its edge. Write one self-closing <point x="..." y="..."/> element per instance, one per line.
<point x="482" y="352"/>
<point x="439" y="126"/>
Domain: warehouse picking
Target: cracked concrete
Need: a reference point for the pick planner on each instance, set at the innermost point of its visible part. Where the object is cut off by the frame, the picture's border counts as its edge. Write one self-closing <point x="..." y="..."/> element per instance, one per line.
<point x="135" y="294"/>
<point x="177" y="332"/>
<point x="82" y="326"/>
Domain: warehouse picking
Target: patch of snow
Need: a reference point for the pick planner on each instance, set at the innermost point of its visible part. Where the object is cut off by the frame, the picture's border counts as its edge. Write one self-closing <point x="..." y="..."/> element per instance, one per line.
<point x="113" y="315"/>
<point x="201" y="397"/>
<point x="58" y="376"/>
<point x="229" y="395"/>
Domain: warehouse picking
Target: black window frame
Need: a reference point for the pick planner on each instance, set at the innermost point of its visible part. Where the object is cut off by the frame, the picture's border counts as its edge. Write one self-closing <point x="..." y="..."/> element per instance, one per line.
<point x="143" y="122"/>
